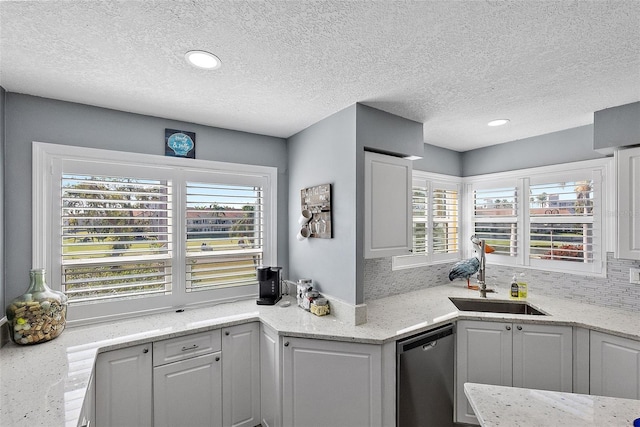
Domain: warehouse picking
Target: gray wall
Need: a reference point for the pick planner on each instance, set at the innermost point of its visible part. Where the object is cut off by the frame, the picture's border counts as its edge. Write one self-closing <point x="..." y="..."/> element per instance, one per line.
<point x="565" y="146"/>
<point x="616" y="127"/>
<point x="377" y="130"/>
<point x="29" y="118"/>
<point x="332" y="152"/>
<point x="439" y="160"/>
<point x="2" y="161"/>
<point x="385" y="132"/>
<point x="325" y="153"/>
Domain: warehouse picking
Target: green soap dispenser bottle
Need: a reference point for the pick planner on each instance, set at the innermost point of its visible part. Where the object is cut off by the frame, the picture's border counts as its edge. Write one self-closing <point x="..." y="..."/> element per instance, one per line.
<point x="514" y="288"/>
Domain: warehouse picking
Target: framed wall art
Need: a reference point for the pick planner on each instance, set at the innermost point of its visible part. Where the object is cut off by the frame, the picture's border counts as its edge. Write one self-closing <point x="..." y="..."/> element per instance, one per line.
<point x="179" y="143"/>
<point x="317" y="201"/>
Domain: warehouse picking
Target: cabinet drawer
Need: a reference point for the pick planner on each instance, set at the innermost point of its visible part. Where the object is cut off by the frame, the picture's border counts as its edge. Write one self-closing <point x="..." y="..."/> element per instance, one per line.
<point x="179" y="348"/>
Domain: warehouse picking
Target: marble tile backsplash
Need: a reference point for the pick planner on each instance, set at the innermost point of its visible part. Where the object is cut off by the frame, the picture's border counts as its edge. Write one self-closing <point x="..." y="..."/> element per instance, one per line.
<point x="613" y="291"/>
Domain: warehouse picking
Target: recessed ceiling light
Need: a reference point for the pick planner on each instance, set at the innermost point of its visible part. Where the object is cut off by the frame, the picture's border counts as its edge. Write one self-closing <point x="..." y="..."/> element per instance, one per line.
<point x="412" y="157"/>
<point x="202" y="59"/>
<point x="498" y="122"/>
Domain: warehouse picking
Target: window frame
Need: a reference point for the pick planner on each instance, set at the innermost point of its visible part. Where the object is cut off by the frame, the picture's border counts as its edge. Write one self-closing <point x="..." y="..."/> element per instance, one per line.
<point x="489" y="182"/>
<point x="428" y="180"/>
<point x="604" y="185"/>
<point x="47" y="161"/>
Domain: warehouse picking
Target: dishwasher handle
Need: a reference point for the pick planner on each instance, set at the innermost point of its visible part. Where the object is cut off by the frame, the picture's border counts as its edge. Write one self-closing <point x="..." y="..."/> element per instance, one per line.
<point x="426" y="340"/>
<point x="430" y="345"/>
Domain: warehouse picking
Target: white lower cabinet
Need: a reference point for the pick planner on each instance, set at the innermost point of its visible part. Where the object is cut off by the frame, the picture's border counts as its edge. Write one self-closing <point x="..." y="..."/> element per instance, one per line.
<point x="509" y="354"/>
<point x="543" y="357"/>
<point x="186" y="382"/>
<point x="88" y="411"/>
<point x="270" y="384"/>
<point x="123" y="387"/>
<point x="241" y="375"/>
<point x="614" y="366"/>
<point x="331" y="383"/>
<point x="484" y="354"/>
<point x="187" y="393"/>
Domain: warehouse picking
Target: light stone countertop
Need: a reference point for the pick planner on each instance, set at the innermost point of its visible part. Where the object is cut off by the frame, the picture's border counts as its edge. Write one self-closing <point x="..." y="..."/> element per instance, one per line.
<point x="45" y="384"/>
<point x="497" y="406"/>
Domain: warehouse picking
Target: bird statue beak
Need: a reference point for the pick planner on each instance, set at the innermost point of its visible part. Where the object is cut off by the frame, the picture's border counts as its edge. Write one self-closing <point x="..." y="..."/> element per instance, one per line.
<point x="487" y="248"/>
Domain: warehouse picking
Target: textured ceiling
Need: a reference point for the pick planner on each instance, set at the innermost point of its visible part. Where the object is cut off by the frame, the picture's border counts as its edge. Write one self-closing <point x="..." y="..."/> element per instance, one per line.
<point x="452" y="65"/>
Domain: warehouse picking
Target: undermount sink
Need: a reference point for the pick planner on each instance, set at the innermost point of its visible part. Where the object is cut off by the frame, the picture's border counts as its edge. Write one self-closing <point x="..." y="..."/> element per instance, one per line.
<point x="493" y="306"/>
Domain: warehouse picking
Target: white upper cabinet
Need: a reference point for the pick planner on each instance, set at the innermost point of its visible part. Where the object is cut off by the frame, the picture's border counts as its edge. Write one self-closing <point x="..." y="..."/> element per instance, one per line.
<point x="628" y="164"/>
<point x="387" y="198"/>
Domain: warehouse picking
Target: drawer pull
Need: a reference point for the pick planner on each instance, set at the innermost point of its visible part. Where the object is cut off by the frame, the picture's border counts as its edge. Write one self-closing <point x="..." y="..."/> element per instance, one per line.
<point x="519" y="328"/>
<point x="145" y="351"/>
<point x="217" y="358"/>
<point x="193" y="347"/>
<point x="508" y="328"/>
<point x="227" y="333"/>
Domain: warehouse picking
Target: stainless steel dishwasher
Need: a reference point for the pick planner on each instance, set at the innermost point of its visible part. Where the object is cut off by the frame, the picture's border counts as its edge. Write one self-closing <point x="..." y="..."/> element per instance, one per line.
<point x="425" y="379"/>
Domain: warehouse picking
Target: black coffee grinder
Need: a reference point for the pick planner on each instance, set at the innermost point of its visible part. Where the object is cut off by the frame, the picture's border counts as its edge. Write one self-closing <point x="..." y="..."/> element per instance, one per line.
<point x="269" y="285"/>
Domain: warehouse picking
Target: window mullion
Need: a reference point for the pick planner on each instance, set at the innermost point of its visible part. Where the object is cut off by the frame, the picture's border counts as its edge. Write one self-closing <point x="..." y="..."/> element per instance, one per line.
<point x="523" y="219"/>
<point x="429" y="214"/>
<point x="179" y="242"/>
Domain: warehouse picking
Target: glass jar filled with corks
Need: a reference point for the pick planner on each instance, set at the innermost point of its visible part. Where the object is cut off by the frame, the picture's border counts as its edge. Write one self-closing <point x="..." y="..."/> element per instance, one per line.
<point x="38" y="315"/>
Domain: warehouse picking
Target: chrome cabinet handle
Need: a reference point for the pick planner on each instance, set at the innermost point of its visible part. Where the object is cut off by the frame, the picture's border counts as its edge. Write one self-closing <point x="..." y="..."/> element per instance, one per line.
<point x="508" y="328"/>
<point x="519" y="327"/>
<point x="193" y="347"/>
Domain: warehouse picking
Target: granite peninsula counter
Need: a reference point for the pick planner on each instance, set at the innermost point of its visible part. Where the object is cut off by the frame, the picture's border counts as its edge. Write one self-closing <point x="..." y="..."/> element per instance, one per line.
<point x="497" y="406"/>
<point x="45" y="384"/>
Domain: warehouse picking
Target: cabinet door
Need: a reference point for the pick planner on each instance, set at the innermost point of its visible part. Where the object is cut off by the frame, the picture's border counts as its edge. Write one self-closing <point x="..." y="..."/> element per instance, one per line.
<point x="88" y="411"/>
<point x="628" y="164"/>
<point x="241" y="375"/>
<point x="186" y="346"/>
<point x="123" y="387"/>
<point x="387" y="212"/>
<point x="543" y="357"/>
<point x="483" y="355"/>
<point x="331" y="383"/>
<point x="270" y="385"/>
<point x="615" y="366"/>
<point x="188" y="393"/>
